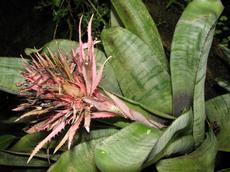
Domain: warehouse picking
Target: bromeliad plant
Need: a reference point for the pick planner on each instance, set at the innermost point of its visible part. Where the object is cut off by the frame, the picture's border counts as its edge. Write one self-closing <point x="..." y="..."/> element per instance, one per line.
<point x="63" y="91"/>
<point x="152" y="90"/>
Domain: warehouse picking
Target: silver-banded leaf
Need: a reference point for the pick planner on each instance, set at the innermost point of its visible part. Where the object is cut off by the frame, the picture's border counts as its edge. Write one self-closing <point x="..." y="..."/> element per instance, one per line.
<point x="181" y="145"/>
<point x="202" y="159"/>
<point x="127" y="149"/>
<point x="140" y="75"/>
<point x="136" y="18"/>
<point x="78" y="159"/>
<point x="190" y="47"/>
<point x="19" y="160"/>
<point x="180" y="125"/>
<point x="10" y="69"/>
<point x="218" y="113"/>
<point x="81" y="157"/>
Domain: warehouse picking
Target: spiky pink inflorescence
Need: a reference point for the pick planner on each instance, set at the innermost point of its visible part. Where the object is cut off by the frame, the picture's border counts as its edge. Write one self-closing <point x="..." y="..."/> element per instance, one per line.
<point x="63" y="93"/>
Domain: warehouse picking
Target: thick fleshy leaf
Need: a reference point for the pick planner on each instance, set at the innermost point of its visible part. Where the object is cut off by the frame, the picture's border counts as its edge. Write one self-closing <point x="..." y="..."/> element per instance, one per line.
<point x="180" y="125"/>
<point x="81" y="157"/>
<point x="190" y="47"/>
<point x="218" y="113"/>
<point x="10" y="159"/>
<point x="137" y="19"/>
<point x="127" y="149"/>
<point x="27" y="142"/>
<point x="181" y="145"/>
<point x="6" y="140"/>
<point x="202" y="159"/>
<point x="139" y="73"/>
<point x="10" y="69"/>
<point x="78" y="159"/>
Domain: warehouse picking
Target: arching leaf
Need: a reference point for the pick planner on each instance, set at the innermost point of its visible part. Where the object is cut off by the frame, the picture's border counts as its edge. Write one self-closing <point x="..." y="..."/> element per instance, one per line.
<point x="126" y="150"/>
<point x="202" y="159"/>
<point x="136" y="18"/>
<point x="218" y="113"/>
<point x="139" y="73"/>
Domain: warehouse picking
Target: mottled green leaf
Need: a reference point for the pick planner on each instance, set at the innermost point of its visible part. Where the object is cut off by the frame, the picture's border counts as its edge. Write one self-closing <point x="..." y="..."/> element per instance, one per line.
<point x="139" y="73"/>
<point x="27" y="142"/>
<point x="6" y="140"/>
<point x="190" y="48"/>
<point x="218" y="113"/>
<point x="127" y="149"/>
<point x="81" y="157"/>
<point x="202" y="159"/>
<point x="137" y="19"/>
<point x="10" y="159"/>
<point x="10" y="69"/>
<point x="180" y="125"/>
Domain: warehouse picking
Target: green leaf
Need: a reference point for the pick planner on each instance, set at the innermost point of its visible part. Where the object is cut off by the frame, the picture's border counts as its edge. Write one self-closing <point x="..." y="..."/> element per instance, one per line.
<point x="181" y="145"/>
<point x="202" y="159"/>
<point x="27" y="142"/>
<point x="62" y="45"/>
<point x="6" y="140"/>
<point x="10" y="69"/>
<point x="139" y="73"/>
<point x="137" y="19"/>
<point x="81" y="157"/>
<point x="127" y="149"/>
<point x="190" y="48"/>
<point x="10" y="159"/>
<point x="180" y="126"/>
<point x="218" y="113"/>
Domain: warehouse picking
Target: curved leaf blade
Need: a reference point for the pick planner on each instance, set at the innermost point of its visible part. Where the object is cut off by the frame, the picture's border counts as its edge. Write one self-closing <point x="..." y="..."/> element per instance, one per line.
<point x="182" y="123"/>
<point x="202" y="159"/>
<point x="141" y="24"/>
<point x="139" y="73"/>
<point x="190" y="47"/>
<point x="218" y="113"/>
<point x="127" y="149"/>
<point x="81" y="157"/>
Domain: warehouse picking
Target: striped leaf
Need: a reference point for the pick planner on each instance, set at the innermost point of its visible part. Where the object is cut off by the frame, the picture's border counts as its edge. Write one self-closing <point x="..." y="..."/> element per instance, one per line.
<point x="202" y="159"/>
<point x="136" y="18"/>
<point x="126" y="150"/>
<point x="140" y="75"/>
<point x="10" y="69"/>
<point x="190" y="47"/>
<point x="218" y="113"/>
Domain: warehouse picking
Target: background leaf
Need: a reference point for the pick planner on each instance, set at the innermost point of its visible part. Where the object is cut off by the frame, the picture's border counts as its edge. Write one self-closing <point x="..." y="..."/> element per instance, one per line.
<point x="218" y="113"/>
<point x="10" y="69"/>
<point x="141" y="24"/>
